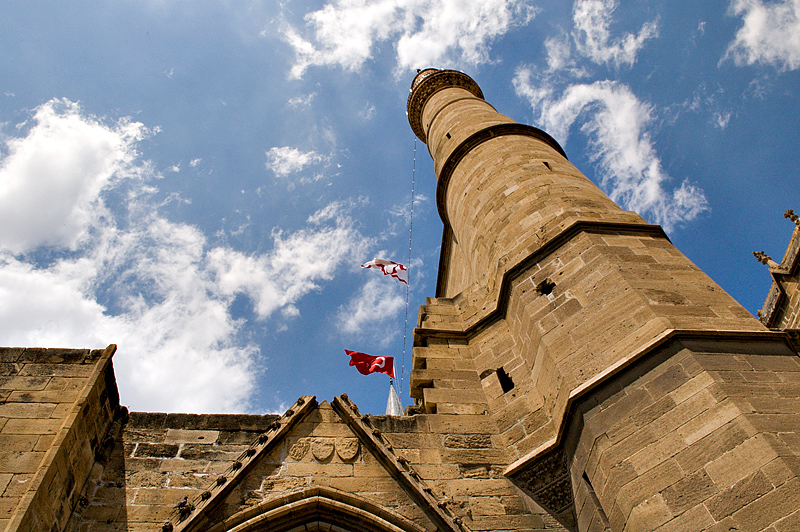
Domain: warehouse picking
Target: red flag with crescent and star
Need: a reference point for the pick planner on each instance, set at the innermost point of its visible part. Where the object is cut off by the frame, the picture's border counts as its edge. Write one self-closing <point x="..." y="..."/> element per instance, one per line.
<point x="366" y="364"/>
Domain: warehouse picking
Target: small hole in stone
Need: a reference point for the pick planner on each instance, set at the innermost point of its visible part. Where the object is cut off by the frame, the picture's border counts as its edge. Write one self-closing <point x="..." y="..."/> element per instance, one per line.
<point x="201" y="437"/>
<point x="546" y="287"/>
<point x="447" y="135"/>
<point x="505" y="381"/>
<point x="547" y="165"/>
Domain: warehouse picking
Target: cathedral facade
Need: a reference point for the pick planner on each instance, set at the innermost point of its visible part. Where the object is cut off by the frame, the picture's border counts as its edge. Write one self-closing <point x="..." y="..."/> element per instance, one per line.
<point x="574" y="372"/>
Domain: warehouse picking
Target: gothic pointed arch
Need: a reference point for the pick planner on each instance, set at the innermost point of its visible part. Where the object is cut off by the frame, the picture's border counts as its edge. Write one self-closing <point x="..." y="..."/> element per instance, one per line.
<point x="317" y="508"/>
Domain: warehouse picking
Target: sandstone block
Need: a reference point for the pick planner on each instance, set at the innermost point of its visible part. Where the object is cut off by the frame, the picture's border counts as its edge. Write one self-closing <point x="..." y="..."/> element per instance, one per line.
<point x="20" y="462"/>
<point x="739" y="495"/>
<point x="27" y="410"/>
<point x="435" y="395"/>
<point x="179" y="465"/>
<point x="24" y="383"/>
<point x="474" y="456"/>
<point x="507" y="522"/>
<point x="445" y="424"/>
<point x="31" y="426"/>
<point x="17" y="443"/>
<point x="649" y="514"/>
<point x="771" y="507"/>
<point x="318" y="470"/>
<point x="191" y="436"/>
<point x="156" y="450"/>
<point x="482" y="487"/>
<point x="696" y="518"/>
<point x="163" y="496"/>
<point x="648" y="485"/>
<point x="741" y="461"/>
<point x="689" y="492"/>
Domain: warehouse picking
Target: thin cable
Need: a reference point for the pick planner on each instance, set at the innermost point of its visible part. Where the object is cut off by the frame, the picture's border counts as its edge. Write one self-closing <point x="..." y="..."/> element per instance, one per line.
<point x="408" y="265"/>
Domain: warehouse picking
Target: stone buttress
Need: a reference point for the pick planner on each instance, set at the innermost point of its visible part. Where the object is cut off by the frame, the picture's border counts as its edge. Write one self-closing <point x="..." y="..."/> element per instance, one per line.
<point x="630" y="391"/>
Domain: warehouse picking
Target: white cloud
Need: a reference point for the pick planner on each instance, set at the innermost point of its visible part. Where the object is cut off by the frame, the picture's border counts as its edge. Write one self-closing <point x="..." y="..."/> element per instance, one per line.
<point x="285" y="160"/>
<point x="376" y="311"/>
<point x="721" y="119"/>
<point x="424" y="32"/>
<point x="593" y="39"/>
<point x="302" y="101"/>
<point x="368" y="112"/>
<point x="616" y="124"/>
<point x="178" y="348"/>
<point x="770" y="34"/>
<point x="295" y="266"/>
<point x="51" y="179"/>
<point x="559" y="52"/>
<point x="154" y="287"/>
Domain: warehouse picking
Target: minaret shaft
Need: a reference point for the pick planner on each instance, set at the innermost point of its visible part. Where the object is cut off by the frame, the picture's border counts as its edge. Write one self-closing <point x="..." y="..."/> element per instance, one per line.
<point x="559" y="300"/>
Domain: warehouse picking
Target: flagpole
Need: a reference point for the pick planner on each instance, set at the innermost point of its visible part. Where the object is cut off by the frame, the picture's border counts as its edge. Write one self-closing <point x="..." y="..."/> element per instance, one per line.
<point x="408" y="266"/>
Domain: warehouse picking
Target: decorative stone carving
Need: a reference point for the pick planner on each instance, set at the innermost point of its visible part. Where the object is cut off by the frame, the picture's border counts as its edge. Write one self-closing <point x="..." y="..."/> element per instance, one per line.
<point x="547" y="481"/>
<point x="322" y="448"/>
<point x="299" y="449"/>
<point x="347" y="448"/>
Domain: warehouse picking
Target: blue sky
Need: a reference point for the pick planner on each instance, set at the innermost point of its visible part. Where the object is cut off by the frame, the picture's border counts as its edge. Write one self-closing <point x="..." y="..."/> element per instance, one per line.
<point x="198" y="181"/>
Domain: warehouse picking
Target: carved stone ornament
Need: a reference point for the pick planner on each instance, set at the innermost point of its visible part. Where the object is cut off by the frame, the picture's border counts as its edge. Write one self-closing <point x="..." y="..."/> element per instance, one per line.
<point x="347" y="448"/>
<point x="547" y="481"/>
<point x="299" y="449"/>
<point x="322" y="448"/>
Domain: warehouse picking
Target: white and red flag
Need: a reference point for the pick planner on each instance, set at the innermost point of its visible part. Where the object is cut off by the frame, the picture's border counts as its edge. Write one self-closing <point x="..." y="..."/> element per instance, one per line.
<point x="388" y="267"/>
<point x="366" y="364"/>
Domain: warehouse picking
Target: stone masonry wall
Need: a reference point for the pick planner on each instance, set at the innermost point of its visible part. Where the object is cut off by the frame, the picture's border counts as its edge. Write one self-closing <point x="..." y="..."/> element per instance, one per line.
<point x="157" y="460"/>
<point x="56" y="409"/>
<point x="706" y="438"/>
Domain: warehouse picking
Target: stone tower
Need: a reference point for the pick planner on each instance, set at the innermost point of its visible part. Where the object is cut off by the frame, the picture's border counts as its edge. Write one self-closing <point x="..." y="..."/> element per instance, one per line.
<point x="574" y="372"/>
<point x="630" y="390"/>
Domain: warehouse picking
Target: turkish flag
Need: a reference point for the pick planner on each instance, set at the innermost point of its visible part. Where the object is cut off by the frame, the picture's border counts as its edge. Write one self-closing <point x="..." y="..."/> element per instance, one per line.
<point x="366" y="364"/>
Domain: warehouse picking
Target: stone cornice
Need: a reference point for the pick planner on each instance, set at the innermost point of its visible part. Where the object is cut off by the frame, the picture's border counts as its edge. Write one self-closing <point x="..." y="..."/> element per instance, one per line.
<point x="428" y="82"/>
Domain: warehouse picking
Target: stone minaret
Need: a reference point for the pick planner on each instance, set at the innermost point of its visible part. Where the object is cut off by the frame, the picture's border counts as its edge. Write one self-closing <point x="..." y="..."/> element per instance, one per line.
<point x="631" y="391"/>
